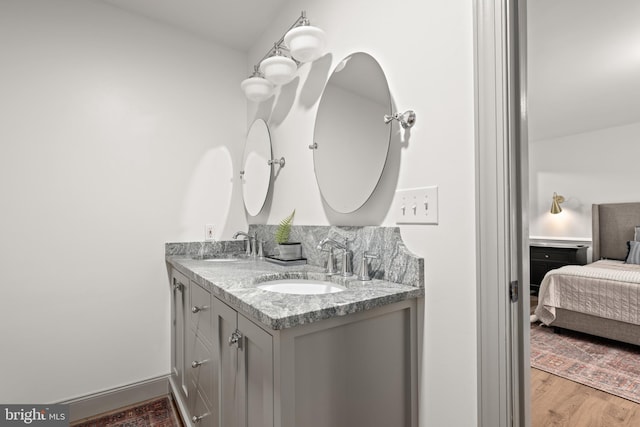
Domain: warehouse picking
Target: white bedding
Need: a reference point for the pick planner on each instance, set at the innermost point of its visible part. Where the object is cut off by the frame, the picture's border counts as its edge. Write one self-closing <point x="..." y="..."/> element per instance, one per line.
<point x="609" y="289"/>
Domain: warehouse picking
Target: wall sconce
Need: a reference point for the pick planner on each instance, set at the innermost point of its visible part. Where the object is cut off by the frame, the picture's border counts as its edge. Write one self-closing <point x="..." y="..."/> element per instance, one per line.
<point x="555" y="204"/>
<point x="304" y="43"/>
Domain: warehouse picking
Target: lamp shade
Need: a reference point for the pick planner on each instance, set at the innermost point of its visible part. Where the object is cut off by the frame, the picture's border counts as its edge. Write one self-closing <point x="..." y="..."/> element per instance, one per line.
<point x="306" y="43"/>
<point x="555" y="204"/>
<point x="257" y="89"/>
<point x="279" y="70"/>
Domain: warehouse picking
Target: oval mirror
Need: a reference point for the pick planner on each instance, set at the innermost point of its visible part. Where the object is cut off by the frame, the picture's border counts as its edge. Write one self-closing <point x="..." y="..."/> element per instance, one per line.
<point x="351" y="139"/>
<point x="256" y="173"/>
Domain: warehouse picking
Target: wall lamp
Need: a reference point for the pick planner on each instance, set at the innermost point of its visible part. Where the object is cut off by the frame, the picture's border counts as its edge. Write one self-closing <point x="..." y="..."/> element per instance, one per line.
<point x="555" y="204"/>
<point x="303" y="42"/>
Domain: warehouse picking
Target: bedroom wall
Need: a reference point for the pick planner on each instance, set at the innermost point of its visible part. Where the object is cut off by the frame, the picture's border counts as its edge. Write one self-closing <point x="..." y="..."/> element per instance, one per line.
<point x="586" y="168"/>
<point x="426" y="52"/>
<point x="113" y="141"/>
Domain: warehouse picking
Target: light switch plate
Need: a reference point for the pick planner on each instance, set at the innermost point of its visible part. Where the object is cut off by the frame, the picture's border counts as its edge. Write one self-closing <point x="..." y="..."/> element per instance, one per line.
<point x="416" y="205"/>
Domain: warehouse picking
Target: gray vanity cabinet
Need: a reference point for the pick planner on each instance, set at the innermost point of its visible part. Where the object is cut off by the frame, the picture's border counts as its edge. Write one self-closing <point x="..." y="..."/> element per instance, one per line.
<point x="353" y="370"/>
<point x="193" y="370"/>
<point x="179" y="308"/>
<point x="246" y="369"/>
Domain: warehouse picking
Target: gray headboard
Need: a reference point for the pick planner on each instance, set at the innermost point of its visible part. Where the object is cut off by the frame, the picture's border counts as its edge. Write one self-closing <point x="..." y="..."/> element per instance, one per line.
<point x="613" y="225"/>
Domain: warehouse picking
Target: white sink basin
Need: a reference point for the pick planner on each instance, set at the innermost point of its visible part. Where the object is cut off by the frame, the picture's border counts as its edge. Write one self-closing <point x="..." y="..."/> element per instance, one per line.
<point x="221" y="259"/>
<point x="301" y="287"/>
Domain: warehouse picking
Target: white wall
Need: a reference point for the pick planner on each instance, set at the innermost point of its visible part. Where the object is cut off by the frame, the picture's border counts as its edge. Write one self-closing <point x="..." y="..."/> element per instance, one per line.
<point x="586" y="168"/>
<point x="426" y="51"/>
<point x="117" y="134"/>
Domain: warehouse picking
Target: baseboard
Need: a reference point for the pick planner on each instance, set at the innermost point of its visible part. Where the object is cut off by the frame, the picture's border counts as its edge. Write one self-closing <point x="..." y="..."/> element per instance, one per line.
<point x="108" y="400"/>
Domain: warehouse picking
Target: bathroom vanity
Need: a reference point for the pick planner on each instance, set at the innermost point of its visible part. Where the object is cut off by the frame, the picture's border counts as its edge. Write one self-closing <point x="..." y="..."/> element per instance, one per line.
<point x="244" y="356"/>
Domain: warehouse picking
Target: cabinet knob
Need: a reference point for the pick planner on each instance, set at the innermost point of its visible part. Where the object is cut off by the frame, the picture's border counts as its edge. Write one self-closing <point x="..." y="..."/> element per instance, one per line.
<point x="196" y="309"/>
<point x="546" y="255"/>
<point x="196" y="418"/>
<point x="235" y="339"/>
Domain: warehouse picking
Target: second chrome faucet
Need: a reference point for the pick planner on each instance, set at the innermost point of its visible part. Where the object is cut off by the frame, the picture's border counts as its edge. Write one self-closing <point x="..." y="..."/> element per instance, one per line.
<point x="347" y="256"/>
<point x="328" y="245"/>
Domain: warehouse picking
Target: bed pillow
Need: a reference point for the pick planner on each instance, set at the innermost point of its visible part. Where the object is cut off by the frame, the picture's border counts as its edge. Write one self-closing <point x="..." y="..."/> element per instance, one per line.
<point x="636" y="236"/>
<point x="634" y="252"/>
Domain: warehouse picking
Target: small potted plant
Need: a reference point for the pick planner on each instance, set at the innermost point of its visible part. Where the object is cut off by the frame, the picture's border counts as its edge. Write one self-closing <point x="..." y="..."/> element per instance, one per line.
<point x="287" y="250"/>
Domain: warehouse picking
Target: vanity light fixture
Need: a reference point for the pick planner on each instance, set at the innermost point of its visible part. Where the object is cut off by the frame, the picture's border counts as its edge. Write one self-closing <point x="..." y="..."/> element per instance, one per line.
<point x="303" y="42"/>
<point x="555" y="204"/>
<point x="406" y="119"/>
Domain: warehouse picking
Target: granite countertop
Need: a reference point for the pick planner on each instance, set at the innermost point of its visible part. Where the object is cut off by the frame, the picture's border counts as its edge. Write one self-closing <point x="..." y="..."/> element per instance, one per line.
<point x="235" y="282"/>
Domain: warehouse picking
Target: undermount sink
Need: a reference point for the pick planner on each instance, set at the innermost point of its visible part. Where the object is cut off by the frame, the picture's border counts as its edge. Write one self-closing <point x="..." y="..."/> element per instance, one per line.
<point x="301" y="287"/>
<point x="220" y="259"/>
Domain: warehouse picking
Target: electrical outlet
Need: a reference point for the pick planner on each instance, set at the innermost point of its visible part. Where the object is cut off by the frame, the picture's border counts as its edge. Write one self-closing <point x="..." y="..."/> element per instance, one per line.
<point x="208" y="232"/>
<point x="416" y="206"/>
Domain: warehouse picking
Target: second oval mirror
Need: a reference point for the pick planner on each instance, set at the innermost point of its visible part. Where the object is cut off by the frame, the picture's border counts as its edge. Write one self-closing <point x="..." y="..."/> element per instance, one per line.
<point x="351" y="139"/>
<point x="256" y="174"/>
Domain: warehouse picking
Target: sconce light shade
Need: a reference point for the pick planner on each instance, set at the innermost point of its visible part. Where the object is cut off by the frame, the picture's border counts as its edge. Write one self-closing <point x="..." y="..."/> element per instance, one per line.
<point x="555" y="204"/>
<point x="279" y="70"/>
<point x="306" y="43"/>
<point x="257" y="88"/>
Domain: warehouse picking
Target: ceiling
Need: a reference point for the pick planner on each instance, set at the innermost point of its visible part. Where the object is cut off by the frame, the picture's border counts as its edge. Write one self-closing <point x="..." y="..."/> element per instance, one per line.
<point x="237" y="23"/>
<point x="583" y="65"/>
<point x="583" y="55"/>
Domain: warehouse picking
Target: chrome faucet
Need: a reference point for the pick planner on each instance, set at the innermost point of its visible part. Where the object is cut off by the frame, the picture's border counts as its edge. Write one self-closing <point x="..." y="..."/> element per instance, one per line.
<point x="364" y="267"/>
<point x="250" y="245"/>
<point x="331" y="260"/>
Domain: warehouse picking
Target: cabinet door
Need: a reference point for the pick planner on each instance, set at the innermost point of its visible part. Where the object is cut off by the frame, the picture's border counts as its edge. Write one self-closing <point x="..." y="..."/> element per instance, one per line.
<point x="226" y="358"/>
<point x="255" y="356"/>
<point x="179" y="307"/>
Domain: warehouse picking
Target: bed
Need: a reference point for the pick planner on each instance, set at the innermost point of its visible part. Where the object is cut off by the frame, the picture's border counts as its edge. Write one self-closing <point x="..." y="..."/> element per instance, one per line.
<point x="601" y="298"/>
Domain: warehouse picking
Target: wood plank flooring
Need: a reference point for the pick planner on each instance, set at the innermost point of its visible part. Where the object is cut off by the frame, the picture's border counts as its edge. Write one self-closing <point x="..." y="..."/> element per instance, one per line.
<point x="558" y="402"/>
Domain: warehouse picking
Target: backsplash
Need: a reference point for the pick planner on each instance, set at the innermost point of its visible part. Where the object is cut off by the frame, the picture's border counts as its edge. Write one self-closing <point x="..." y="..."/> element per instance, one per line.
<point x="396" y="263"/>
<point x="204" y="249"/>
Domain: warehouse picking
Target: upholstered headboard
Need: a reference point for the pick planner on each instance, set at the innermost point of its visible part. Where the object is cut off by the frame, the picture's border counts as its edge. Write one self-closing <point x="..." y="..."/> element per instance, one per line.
<point x="613" y="225"/>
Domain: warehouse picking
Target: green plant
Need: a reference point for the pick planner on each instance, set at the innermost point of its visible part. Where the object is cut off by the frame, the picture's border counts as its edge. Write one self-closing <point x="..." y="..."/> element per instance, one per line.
<point x="283" y="230"/>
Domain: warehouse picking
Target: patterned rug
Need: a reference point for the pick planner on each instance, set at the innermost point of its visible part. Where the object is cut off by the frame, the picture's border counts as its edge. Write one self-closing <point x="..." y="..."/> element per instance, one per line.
<point x="154" y="413"/>
<point x="603" y="364"/>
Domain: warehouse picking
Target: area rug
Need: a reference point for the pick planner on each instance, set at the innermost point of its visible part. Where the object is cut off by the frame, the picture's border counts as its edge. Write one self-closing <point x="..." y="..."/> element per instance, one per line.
<point x="603" y="364"/>
<point x="154" y="413"/>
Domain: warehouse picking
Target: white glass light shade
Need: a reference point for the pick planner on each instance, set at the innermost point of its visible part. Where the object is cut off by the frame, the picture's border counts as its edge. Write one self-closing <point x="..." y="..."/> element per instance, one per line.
<point x="279" y="70"/>
<point x="257" y="89"/>
<point x="306" y="43"/>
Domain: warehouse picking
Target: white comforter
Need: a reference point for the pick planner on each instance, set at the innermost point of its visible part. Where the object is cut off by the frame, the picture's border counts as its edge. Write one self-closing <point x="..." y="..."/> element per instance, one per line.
<point x="609" y="289"/>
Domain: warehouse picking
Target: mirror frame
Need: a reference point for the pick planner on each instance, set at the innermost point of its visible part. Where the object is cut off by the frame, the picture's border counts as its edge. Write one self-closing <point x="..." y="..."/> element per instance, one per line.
<point x="342" y="164"/>
<point x="258" y="125"/>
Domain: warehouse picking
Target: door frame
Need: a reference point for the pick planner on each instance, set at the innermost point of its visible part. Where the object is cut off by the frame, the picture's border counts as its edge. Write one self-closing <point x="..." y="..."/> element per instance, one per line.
<point x="502" y="195"/>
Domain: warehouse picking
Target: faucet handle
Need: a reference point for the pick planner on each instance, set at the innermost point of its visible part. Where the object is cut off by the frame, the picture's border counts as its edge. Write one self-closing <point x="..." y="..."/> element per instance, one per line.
<point x="364" y="267"/>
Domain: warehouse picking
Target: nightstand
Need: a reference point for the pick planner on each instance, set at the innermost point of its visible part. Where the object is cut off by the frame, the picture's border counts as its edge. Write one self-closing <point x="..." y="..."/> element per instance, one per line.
<point x="543" y="258"/>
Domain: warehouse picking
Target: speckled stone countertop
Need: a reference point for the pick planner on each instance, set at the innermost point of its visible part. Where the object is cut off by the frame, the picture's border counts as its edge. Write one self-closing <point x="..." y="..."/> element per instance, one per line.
<point x="234" y="282"/>
<point x="398" y="274"/>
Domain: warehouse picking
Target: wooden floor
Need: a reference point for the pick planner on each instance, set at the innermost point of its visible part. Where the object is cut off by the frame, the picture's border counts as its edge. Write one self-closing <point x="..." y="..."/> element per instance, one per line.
<point x="556" y="401"/>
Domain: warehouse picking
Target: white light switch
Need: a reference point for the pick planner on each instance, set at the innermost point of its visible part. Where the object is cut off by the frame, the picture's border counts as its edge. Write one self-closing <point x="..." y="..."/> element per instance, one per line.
<point x="416" y="206"/>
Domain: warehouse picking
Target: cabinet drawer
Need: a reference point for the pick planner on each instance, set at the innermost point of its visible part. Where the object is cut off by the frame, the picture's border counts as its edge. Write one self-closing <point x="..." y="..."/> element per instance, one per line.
<point x="552" y="254"/>
<point x="201" y="368"/>
<point x="201" y="311"/>
<point x="201" y="415"/>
